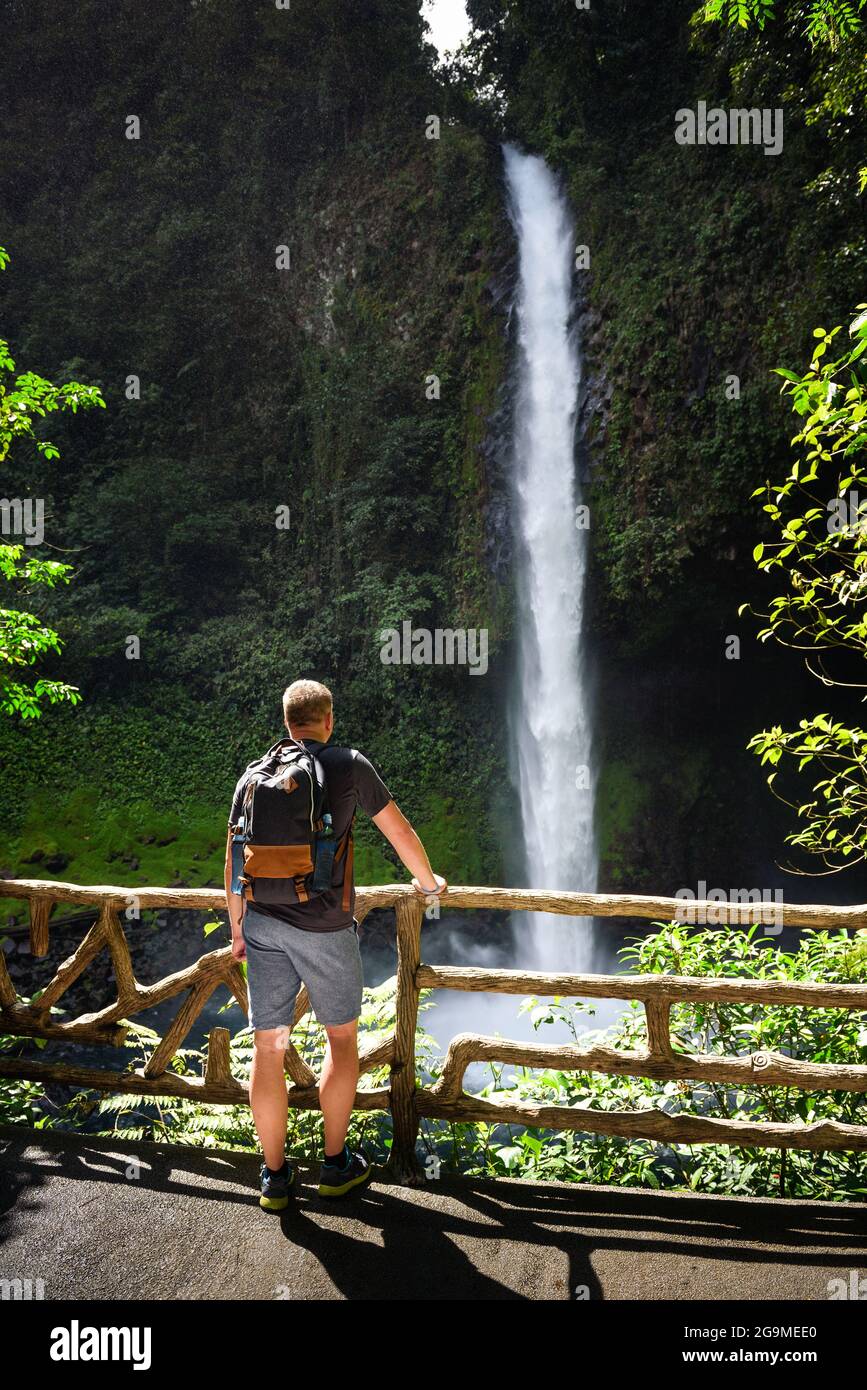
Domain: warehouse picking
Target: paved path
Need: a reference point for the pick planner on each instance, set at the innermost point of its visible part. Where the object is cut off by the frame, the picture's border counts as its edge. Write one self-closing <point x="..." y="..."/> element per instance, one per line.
<point x="189" y="1227"/>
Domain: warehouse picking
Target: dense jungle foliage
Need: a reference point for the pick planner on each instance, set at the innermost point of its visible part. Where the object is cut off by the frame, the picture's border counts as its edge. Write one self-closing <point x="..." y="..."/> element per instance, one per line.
<point x="147" y="267"/>
<point x="229" y="223"/>
<point x="255" y="389"/>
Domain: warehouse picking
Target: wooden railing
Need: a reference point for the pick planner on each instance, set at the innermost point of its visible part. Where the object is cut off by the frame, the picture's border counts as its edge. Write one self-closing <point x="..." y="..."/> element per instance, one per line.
<point x="446" y="1099"/>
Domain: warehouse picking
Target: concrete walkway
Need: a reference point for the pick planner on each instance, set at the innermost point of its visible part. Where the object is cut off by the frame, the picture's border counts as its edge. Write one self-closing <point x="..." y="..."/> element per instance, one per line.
<point x="189" y="1227"/>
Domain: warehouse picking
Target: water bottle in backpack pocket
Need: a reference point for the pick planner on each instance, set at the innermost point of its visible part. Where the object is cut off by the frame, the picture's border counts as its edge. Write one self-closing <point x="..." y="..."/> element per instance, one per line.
<point x="326" y="845"/>
<point x="239" y="839"/>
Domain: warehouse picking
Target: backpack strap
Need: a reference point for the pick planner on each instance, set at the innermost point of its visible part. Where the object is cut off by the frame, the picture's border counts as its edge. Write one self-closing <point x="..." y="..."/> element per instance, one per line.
<point x="347" y="874"/>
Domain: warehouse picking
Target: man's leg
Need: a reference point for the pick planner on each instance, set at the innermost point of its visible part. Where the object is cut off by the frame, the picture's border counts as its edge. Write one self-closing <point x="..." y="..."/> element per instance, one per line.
<point x="268" y="1093"/>
<point x="339" y="1083"/>
<point x="330" y="965"/>
<point x="273" y="985"/>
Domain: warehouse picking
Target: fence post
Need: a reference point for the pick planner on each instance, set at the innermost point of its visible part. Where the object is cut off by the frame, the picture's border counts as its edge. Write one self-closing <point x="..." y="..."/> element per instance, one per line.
<point x="40" y="911"/>
<point x="403" y="1163"/>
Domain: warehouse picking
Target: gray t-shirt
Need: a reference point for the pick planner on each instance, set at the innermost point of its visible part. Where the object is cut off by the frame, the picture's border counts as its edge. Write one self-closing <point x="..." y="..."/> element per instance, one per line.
<point x="352" y="781"/>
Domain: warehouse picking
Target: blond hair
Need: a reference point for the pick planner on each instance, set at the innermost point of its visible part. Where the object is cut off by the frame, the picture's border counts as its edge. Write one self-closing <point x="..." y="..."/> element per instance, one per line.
<point x="306" y="702"/>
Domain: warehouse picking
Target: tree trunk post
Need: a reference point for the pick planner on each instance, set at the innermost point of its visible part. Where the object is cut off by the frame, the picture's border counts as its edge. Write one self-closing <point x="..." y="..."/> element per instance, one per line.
<point x="403" y="1163"/>
<point x="40" y="911"/>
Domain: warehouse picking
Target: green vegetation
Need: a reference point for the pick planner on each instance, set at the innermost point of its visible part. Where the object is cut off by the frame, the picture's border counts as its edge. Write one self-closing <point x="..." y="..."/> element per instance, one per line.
<point x="821" y="21"/>
<point x="23" y="638"/>
<point x="237" y="389"/>
<point x="229" y="1126"/>
<point x="704" y="264"/>
<point x="820" y="518"/>
<point x="484" y="1150"/>
<point x="735" y="1030"/>
<point x="708" y="267"/>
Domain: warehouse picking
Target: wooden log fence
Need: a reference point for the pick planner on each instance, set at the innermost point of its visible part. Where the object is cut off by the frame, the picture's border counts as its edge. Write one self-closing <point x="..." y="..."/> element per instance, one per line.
<point x="446" y="1099"/>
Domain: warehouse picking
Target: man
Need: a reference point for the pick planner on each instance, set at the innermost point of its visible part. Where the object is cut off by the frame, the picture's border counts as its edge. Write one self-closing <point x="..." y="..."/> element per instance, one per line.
<point x="317" y="942"/>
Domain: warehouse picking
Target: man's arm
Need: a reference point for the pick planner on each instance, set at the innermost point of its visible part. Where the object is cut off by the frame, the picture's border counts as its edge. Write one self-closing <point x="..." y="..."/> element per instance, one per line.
<point x="401" y="836"/>
<point x="234" y="904"/>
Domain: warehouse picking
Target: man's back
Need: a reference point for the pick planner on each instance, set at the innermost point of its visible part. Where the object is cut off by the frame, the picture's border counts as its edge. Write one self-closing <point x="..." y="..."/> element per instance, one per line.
<point x="352" y="781"/>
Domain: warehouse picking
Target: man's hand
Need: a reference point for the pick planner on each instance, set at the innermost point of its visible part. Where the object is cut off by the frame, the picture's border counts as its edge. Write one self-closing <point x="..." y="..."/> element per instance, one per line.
<point x="239" y="946"/>
<point x="440" y="886"/>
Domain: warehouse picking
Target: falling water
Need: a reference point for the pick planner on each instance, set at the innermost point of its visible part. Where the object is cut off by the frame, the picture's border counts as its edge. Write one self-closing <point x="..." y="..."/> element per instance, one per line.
<point x="550" y="714"/>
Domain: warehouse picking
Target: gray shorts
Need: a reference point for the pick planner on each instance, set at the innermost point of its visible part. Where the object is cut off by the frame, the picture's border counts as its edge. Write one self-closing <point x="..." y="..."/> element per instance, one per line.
<point x="280" y="956"/>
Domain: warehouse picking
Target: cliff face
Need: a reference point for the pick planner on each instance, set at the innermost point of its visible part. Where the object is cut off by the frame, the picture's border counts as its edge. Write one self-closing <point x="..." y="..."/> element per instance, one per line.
<point x="708" y="267"/>
<point x="350" y="390"/>
<point x="363" y="390"/>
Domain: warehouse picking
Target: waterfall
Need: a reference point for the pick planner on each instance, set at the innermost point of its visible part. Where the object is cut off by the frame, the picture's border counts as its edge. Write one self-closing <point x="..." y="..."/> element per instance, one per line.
<point x="549" y="713"/>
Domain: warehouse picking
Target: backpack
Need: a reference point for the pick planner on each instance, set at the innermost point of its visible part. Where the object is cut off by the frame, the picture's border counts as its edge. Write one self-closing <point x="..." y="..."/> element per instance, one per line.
<point x="284" y="849"/>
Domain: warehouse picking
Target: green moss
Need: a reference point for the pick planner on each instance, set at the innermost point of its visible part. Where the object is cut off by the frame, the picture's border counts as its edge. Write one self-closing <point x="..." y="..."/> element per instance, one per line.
<point x="134" y="846"/>
<point x="650" y="808"/>
<point x="371" y="865"/>
<point x="73" y="838"/>
<point x="67" y="838"/>
<point x="623" y="797"/>
<point x="449" y="831"/>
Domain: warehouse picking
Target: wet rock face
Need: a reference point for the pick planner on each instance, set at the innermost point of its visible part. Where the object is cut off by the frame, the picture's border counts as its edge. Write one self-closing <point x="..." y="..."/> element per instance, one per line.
<point x="160" y="943"/>
<point x="496" y="445"/>
<point x="497" y="514"/>
<point x="596" y="390"/>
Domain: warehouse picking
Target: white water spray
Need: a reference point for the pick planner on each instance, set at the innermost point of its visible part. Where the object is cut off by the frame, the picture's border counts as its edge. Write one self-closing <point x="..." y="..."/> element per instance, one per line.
<point x="550" y="716"/>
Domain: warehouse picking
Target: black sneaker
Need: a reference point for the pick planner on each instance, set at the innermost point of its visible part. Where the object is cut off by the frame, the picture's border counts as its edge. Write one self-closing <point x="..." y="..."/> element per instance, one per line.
<point x="275" y="1191"/>
<point x="336" y="1182"/>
